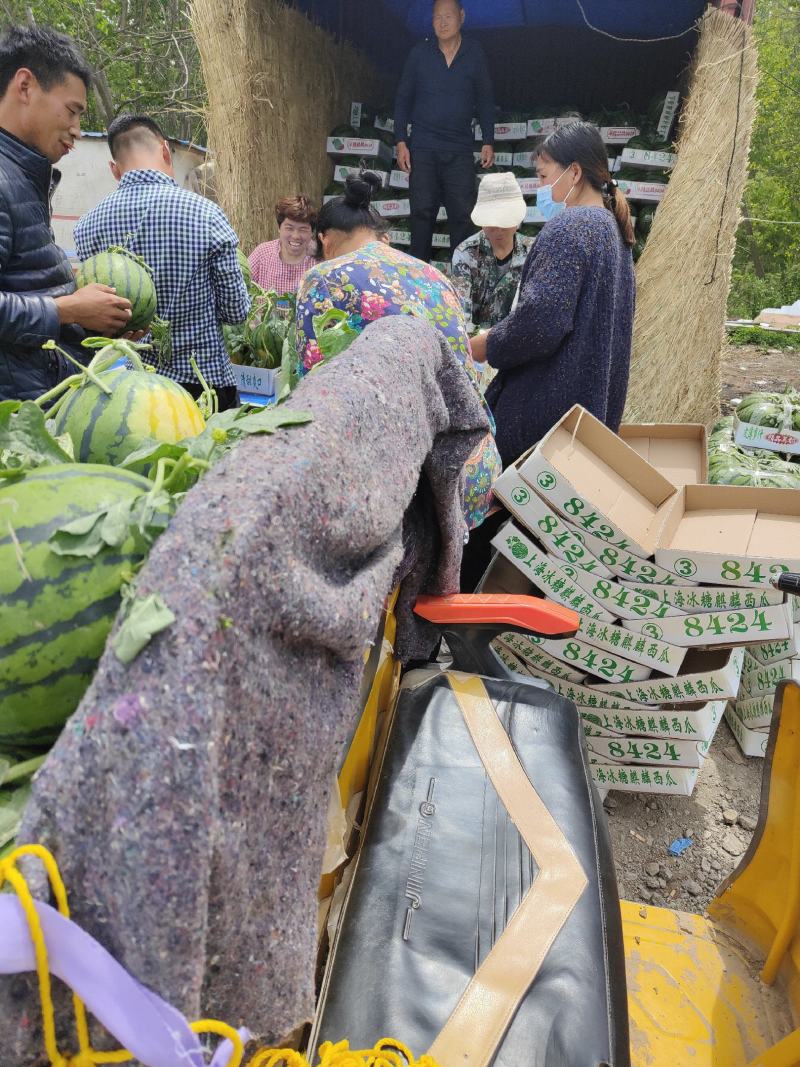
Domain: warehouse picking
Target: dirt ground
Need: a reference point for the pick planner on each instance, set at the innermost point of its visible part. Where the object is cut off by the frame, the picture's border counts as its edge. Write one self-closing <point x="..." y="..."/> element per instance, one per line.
<point x="721" y="815"/>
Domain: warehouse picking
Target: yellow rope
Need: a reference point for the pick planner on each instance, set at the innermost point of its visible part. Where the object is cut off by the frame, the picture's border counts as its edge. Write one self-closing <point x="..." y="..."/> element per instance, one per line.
<point x="387" y="1053"/>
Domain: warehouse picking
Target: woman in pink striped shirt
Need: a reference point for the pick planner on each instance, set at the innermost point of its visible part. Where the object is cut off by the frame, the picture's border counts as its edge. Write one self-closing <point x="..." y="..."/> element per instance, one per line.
<point x="281" y="264"/>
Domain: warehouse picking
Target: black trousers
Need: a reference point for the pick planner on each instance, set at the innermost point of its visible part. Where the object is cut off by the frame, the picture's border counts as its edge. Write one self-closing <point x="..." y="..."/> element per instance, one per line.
<point x="227" y="395"/>
<point x="440" y="179"/>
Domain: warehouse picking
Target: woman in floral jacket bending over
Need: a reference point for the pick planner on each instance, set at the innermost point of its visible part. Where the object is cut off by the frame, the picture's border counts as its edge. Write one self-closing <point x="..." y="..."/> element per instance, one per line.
<point x="364" y="279"/>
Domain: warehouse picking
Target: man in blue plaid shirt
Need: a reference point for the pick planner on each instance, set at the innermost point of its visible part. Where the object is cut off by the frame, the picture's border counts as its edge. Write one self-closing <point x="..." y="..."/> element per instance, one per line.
<point x="188" y="243"/>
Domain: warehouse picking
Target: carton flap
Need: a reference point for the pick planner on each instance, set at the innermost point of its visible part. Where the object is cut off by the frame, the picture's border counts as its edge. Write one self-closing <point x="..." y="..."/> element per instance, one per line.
<point x="772" y="532"/>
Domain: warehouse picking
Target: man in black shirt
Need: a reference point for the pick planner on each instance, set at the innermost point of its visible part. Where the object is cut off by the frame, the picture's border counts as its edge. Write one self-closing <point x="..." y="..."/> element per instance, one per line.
<point x="445" y="84"/>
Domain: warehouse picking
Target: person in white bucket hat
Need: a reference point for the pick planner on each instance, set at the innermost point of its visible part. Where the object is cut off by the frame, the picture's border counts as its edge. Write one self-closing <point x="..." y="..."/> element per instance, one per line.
<point x="487" y="266"/>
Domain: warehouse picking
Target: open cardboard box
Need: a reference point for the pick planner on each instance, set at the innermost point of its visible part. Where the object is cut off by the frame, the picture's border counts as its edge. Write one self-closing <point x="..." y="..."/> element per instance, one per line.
<point x="540" y="570"/>
<point x="673" y="781"/>
<point x="625" y="750"/>
<point x="717" y="628"/>
<point x="751" y="742"/>
<point x="693" y="598"/>
<point x="712" y="675"/>
<point x="731" y="535"/>
<point x="756" y="713"/>
<point x="773" y="651"/>
<point x="600" y="484"/>
<point x="680" y="452"/>
<point x="693" y="722"/>
<point x="751" y="436"/>
<point x="758" y="680"/>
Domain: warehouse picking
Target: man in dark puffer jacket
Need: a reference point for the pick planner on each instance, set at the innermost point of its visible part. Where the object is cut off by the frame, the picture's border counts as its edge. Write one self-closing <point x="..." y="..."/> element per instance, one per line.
<point x="43" y="83"/>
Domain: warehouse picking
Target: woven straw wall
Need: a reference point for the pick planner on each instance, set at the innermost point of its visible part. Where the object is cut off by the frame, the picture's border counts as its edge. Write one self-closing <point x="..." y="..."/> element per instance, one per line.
<point x="683" y="275"/>
<point x="276" y="85"/>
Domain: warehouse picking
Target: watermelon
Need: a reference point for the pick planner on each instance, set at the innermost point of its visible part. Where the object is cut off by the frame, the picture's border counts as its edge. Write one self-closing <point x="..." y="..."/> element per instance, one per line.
<point x="57" y="610"/>
<point x="142" y="406"/>
<point x="130" y="276"/>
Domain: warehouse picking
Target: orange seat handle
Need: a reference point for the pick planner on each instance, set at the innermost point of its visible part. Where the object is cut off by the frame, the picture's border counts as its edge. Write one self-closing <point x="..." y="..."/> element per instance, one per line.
<point x="529" y="613"/>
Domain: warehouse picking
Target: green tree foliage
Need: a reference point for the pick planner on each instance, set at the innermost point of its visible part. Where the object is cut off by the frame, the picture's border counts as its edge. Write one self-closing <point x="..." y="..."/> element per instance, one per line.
<point x="766" y="269"/>
<point x="142" y="51"/>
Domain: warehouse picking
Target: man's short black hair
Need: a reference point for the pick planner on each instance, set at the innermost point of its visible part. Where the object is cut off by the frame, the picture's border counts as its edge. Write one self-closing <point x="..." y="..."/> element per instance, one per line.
<point x="50" y="55"/>
<point x="122" y="133"/>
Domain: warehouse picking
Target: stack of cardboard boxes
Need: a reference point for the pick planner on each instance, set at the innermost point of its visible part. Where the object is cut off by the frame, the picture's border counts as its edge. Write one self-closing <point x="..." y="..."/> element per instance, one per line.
<point x="765" y="666"/>
<point x="670" y="578"/>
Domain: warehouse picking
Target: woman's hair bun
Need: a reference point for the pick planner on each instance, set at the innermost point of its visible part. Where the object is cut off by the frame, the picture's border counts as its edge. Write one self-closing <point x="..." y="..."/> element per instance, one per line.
<point x="359" y="189"/>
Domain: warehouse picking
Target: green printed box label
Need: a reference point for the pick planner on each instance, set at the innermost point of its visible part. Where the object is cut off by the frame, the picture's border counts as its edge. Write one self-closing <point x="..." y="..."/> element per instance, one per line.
<point x="679" y="781"/>
<point x="594" y="661"/>
<point x="545" y="573"/>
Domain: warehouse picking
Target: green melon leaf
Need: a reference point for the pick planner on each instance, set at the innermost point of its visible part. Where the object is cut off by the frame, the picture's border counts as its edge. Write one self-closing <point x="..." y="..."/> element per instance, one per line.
<point x="142" y="518"/>
<point x="144" y="618"/>
<point x="12" y="805"/>
<point x="25" y="441"/>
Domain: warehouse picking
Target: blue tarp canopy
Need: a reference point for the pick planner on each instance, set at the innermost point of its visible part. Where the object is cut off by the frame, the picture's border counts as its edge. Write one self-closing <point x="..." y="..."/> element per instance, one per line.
<point x="628" y="18"/>
<point x="587" y="54"/>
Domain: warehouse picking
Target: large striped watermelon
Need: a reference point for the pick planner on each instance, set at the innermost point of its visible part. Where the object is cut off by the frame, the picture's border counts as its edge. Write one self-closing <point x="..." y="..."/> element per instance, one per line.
<point x="142" y="405"/>
<point x="130" y="276"/>
<point x="56" y="610"/>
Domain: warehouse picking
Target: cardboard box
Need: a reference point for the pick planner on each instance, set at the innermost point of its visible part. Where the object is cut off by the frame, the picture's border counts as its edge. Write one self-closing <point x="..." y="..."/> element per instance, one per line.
<point x="751" y="742"/>
<point x="541" y="127"/>
<point x="553" y="532"/>
<point x="256" y="380"/>
<point x="543" y="572"/>
<point x="773" y="651"/>
<point x="680" y="452"/>
<point x="358" y="146"/>
<point x="731" y="535"/>
<point x="750" y="436"/>
<point x="400" y="237"/>
<point x="668" y="112"/>
<point x="393" y="209"/>
<point x="695" y="722"/>
<point x="341" y="173"/>
<point x="440" y="240"/>
<point x="710" y="675"/>
<point x="586" y="473"/>
<point x="691" y="598"/>
<point x="530" y="654"/>
<point x="526" y="160"/>
<point x="398" y="179"/>
<point x="643" y="192"/>
<point x="626" y="566"/>
<point x="673" y="781"/>
<point x="648" y="650"/>
<point x="756" y="713"/>
<point x="584" y="696"/>
<point x="363" y="115"/>
<point x="529" y="186"/>
<point x="638" y="751"/>
<point x="714" y="628"/>
<point x="501" y="159"/>
<point x="505" y="131"/>
<point x="575" y="651"/>
<point x="643" y="157"/>
<point x="761" y="681"/>
<point x="618" y="134"/>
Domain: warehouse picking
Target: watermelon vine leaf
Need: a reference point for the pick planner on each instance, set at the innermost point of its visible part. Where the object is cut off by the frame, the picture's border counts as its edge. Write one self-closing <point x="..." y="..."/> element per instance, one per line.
<point x="26" y="442"/>
<point x="143" y="519"/>
<point x="143" y="618"/>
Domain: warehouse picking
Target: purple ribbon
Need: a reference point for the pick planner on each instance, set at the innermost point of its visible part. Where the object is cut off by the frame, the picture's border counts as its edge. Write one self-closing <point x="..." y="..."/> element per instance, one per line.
<point x="151" y="1029"/>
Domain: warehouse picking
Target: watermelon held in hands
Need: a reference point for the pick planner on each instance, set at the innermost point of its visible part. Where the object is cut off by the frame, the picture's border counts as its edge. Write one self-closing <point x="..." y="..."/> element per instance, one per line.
<point x="130" y="276"/>
<point x="106" y="427"/>
<point x="57" y="609"/>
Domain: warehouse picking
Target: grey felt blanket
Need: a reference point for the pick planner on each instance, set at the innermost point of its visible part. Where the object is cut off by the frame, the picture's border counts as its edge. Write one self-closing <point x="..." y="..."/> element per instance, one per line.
<point x="186" y="799"/>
